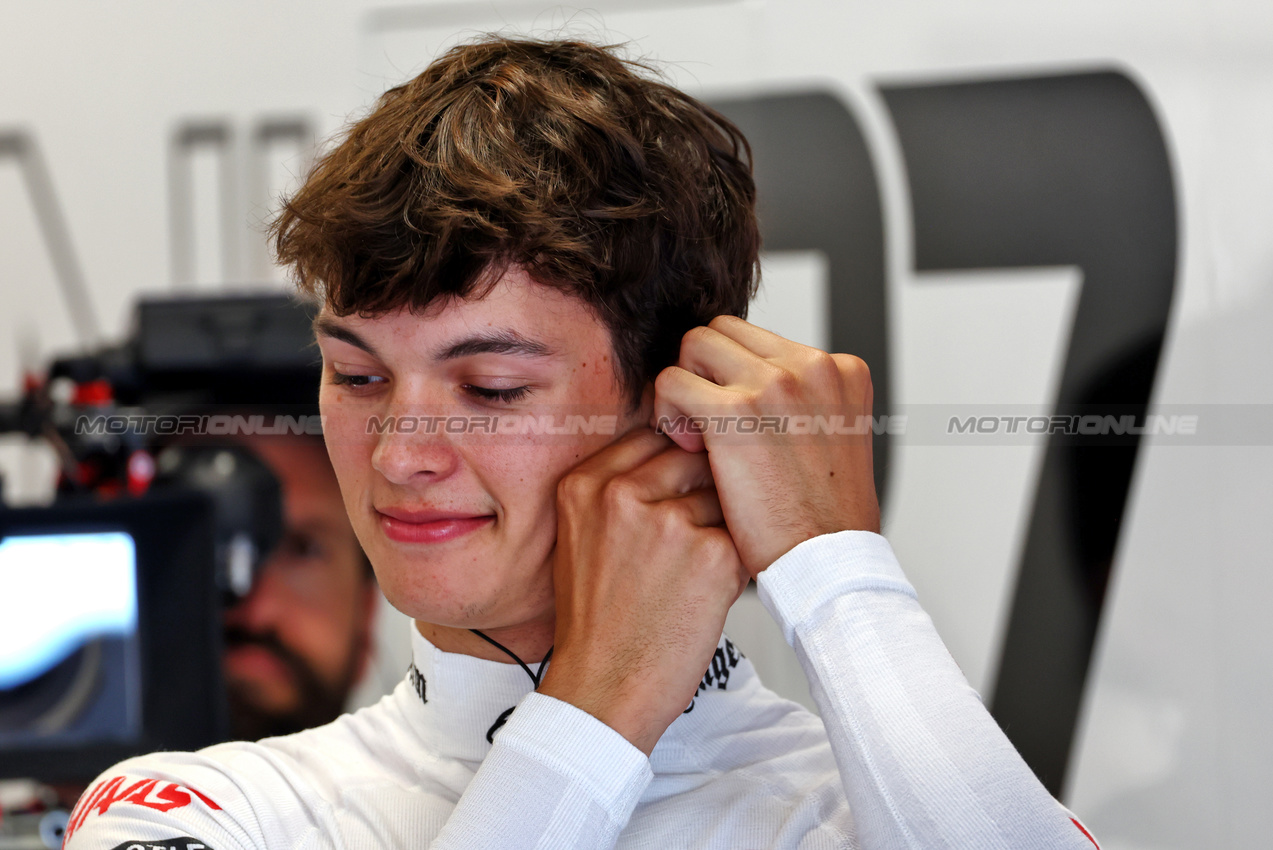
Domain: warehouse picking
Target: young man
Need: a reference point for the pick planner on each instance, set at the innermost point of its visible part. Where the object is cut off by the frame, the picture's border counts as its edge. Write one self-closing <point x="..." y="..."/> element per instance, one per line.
<point x="534" y="230"/>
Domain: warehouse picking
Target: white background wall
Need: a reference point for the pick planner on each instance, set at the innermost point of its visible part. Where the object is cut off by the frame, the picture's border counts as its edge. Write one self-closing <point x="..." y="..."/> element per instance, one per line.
<point x="1174" y="749"/>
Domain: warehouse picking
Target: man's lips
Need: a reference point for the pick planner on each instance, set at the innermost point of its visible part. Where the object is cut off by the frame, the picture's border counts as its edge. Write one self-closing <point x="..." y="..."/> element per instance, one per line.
<point x="258" y="664"/>
<point x="409" y="526"/>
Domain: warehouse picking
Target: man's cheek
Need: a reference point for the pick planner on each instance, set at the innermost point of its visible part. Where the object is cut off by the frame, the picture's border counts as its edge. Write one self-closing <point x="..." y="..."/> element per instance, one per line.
<point x="350" y="453"/>
<point x="348" y="423"/>
<point x="522" y="475"/>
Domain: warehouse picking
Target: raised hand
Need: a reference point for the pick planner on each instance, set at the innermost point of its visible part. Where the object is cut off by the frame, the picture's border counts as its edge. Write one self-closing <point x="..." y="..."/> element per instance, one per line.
<point x="644" y="574"/>
<point x="736" y="385"/>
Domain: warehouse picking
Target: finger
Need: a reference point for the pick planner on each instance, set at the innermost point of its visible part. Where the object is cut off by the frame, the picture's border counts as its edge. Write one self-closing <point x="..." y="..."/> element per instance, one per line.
<point x="741" y="576"/>
<point x="680" y="394"/>
<point x="671" y="473"/>
<point x="703" y="507"/>
<point x="691" y="409"/>
<point x="720" y="359"/>
<point x="754" y="338"/>
<point x="625" y="454"/>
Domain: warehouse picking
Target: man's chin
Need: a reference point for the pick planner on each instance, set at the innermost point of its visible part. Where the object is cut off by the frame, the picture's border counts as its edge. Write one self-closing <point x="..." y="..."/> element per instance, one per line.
<point x="251" y="720"/>
<point x="268" y="697"/>
<point x="455" y="597"/>
<point x="273" y="690"/>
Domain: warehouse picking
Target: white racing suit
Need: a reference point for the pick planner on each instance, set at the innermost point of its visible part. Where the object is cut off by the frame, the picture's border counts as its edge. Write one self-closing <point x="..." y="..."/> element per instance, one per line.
<point x="904" y="755"/>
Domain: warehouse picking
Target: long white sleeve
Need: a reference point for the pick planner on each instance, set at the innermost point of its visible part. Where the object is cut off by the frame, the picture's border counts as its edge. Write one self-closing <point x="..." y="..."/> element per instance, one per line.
<point x="923" y="763"/>
<point x="913" y="761"/>
<point x="556" y="777"/>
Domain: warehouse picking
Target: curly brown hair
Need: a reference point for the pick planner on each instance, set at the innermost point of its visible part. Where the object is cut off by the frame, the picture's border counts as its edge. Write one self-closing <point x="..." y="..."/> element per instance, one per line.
<point x="557" y="156"/>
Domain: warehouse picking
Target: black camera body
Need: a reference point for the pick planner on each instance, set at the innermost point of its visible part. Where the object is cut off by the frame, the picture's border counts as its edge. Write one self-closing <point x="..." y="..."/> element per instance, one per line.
<point x="113" y="644"/>
<point x="146" y="677"/>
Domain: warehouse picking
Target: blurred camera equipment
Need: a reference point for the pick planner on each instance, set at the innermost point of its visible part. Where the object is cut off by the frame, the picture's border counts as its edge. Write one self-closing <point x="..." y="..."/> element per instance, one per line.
<point x="110" y="619"/>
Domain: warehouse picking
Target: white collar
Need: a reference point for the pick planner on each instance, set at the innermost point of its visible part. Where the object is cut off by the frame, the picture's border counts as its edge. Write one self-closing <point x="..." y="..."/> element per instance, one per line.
<point x="454" y="700"/>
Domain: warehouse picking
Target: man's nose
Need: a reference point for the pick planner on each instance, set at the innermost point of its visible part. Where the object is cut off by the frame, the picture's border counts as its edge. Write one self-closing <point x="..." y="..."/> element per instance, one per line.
<point x="414" y="447"/>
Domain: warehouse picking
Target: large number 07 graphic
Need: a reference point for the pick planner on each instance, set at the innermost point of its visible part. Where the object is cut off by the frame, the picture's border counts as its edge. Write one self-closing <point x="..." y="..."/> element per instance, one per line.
<point x="1068" y="170"/>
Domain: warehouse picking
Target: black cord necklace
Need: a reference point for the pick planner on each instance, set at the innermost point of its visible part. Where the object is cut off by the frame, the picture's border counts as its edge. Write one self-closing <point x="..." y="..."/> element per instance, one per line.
<point x="534" y="678"/>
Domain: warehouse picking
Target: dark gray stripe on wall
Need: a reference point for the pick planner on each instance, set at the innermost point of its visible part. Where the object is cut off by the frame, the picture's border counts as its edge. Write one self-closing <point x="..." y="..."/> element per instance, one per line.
<point x="816" y="190"/>
<point x="1057" y="170"/>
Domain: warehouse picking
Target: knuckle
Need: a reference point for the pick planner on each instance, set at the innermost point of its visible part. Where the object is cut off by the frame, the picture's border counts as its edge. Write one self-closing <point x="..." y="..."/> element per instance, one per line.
<point x="823" y="367"/>
<point x="852" y="367"/>
<point x="695" y="337"/>
<point x="576" y="486"/>
<point x="620" y="492"/>
<point x="716" y="548"/>
<point x="671" y="517"/>
<point x="784" y="381"/>
<point x="724" y="320"/>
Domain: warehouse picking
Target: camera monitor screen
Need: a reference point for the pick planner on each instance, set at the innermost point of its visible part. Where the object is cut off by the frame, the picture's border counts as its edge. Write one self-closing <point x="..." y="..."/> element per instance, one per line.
<point x="69" y="655"/>
<point x="110" y="634"/>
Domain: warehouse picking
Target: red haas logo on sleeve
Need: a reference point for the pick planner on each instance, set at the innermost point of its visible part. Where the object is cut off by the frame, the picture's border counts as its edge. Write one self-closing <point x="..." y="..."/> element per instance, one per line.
<point x="151" y="793"/>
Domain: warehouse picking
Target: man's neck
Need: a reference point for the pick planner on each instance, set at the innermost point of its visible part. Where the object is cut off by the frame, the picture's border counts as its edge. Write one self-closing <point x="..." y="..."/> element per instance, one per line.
<point x="528" y="641"/>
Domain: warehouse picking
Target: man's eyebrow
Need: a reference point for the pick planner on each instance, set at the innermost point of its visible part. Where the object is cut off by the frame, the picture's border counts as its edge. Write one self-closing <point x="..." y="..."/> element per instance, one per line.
<point x="325" y="325"/>
<point x="499" y="342"/>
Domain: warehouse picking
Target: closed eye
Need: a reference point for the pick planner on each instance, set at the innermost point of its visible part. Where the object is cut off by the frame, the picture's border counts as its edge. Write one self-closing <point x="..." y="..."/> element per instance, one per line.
<point x="507" y="396"/>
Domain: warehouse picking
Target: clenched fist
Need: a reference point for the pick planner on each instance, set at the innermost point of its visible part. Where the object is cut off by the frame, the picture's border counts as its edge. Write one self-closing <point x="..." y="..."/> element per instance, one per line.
<point x="777" y="488"/>
<point x="644" y="574"/>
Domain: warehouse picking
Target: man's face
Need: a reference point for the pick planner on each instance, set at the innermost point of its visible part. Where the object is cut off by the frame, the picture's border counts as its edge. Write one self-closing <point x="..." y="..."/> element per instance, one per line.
<point x="297" y="642"/>
<point x="461" y="527"/>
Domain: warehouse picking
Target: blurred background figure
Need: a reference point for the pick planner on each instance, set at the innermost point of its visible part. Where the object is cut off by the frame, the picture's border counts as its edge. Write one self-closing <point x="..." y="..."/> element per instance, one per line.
<point x="301" y="639"/>
<point x="243" y="606"/>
